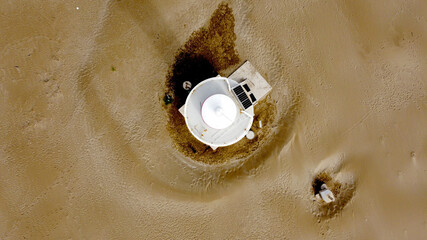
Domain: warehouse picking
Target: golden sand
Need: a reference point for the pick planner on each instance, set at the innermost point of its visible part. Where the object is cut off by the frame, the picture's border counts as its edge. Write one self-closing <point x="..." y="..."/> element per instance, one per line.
<point x="89" y="150"/>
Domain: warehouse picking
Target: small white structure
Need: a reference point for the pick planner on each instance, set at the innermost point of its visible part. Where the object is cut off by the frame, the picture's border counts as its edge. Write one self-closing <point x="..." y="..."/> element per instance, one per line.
<point x="326" y="194"/>
<point x="219" y="111"/>
<point x="250" y="135"/>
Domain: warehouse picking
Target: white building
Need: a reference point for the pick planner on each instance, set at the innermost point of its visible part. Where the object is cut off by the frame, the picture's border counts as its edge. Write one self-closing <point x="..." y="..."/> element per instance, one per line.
<point x="219" y="111"/>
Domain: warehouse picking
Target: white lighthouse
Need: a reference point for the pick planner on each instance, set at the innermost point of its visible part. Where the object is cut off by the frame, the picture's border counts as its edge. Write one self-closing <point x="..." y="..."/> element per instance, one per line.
<point x="219" y="111"/>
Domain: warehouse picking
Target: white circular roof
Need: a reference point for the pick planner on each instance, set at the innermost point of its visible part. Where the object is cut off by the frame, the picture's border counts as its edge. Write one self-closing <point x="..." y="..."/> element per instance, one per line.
<point x="208" y="113"/>
<point x="219" y="111"/>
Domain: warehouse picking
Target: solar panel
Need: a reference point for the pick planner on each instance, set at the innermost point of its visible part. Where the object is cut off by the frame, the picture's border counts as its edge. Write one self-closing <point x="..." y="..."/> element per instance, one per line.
<point x="242" y="96"/>
<point x="247" y="88"/>
<point x="253" y="98"/>
<point x="238" y="90"/>
<point x="247" y="103"/>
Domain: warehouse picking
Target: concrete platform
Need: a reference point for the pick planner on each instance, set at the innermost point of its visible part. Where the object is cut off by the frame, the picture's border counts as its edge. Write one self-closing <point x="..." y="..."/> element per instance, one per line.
<point x="247" y="72"/>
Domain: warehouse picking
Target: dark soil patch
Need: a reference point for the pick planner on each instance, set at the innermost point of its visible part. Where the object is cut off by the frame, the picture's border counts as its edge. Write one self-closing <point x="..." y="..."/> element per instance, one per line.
<point x="343" y="193"/>
<point x="208" y="51"/>
<point x="320" y="179"/>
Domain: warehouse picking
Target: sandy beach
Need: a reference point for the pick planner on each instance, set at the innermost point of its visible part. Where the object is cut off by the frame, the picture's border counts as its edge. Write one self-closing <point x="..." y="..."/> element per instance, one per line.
<point x="89" y="149"/>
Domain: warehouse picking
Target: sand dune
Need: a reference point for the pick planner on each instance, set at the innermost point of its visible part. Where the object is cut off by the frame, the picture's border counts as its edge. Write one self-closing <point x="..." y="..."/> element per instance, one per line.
<point x="89" y="150"/>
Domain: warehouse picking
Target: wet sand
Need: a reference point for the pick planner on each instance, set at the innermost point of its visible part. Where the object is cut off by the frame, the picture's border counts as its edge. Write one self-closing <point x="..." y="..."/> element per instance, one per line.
<point x="87" y="144"/>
